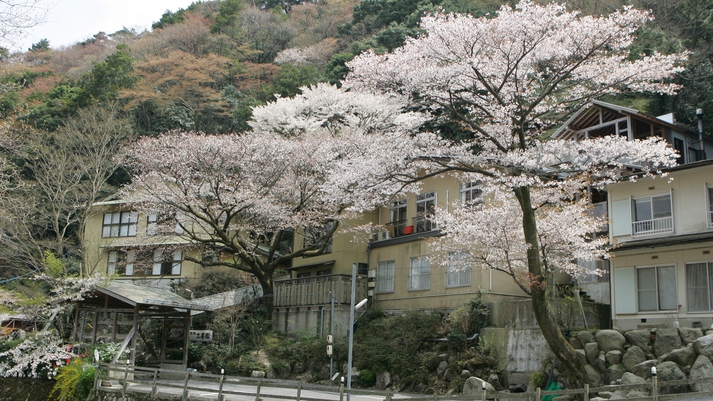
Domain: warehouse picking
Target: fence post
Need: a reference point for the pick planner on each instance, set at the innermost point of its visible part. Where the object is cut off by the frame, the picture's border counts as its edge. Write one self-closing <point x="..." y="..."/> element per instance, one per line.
<point x="341" y="390"/>
<point x="154" y="389"/>
<point x="586" y="392"/>
<point x="388" y="394"/>
<point x="185" y="387"/>
<point x="538" y="394"/>
<point x="654" y="384"/>
<point x="299" y="390"/>
<point x="126" y="375"/>
<point x="257" y="394"/>
<point x="485" y="392"/>
<point x="97" y="373"/>
<point x="220" y="385"/>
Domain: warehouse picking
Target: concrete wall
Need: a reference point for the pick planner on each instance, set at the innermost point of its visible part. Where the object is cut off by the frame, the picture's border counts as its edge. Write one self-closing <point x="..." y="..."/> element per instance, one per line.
<point x="315" y="320"/>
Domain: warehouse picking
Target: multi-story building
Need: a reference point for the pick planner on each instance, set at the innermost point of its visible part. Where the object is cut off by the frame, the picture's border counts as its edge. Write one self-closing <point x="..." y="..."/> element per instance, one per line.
<point x="660" y="228"/>
<point x="121" y="242"/>
<point x="395" y="264"/>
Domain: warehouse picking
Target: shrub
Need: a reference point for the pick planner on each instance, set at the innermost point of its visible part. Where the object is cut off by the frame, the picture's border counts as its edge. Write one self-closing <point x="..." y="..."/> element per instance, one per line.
<point x="74" y="381"/>
<point x="367" y="378"/>
<point x="242" y="366"/>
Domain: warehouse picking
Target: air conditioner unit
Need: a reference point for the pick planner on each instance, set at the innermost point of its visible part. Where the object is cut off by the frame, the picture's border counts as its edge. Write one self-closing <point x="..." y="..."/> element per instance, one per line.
<point x="384" y="235"/>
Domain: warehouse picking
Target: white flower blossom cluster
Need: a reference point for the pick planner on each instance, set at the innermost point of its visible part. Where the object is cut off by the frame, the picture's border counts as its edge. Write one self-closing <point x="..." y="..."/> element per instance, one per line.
<point x="38" y="356"/>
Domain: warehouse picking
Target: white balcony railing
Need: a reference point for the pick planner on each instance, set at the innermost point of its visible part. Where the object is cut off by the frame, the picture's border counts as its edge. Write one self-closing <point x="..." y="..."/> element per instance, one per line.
<point x="653" y="226"/>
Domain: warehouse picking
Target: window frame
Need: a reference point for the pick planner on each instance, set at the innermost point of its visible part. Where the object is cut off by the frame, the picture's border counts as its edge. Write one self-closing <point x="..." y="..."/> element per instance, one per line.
<point x="419" y="274"/>
<point x="463" y="274"/>
<point x="471" y="193"/>
<point x="426" y="205"/>
<point x="113" y="229"/>
<point x="385" y="273"/>
<point x="653" y="224"/>
<point x="160" y="264"/>
<point x="398" y="209"/>
<point x="657" y="289"/>
<point x="314" y="236"/>
<point x="708" y="286"/>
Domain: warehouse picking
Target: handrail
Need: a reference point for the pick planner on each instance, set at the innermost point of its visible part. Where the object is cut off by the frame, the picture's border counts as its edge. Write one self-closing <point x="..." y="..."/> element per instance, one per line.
<point x="191" y="378"/>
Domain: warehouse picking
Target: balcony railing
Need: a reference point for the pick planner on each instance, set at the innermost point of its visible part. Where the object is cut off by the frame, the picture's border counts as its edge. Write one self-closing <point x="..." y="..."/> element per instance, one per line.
<point x="317" y="290"/>
<point x="653" y="226"/>
<point x="423" y="224"/>
<point x="398" y="227"/>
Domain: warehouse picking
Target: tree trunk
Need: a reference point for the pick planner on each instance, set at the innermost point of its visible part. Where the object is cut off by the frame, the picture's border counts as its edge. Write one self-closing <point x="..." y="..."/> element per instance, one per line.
<point x="544" y="314"/>
<point x="268" y="295"/>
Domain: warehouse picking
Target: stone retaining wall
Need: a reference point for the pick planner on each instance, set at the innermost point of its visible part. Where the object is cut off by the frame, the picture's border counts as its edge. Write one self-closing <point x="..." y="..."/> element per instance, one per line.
<point x="677" y="354"/>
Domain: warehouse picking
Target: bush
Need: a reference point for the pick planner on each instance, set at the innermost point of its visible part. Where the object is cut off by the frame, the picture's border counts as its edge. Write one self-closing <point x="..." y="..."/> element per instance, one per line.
<point x="243" y="366"/>
<point x="367" y="378"/>
<point x="74" y="381"/>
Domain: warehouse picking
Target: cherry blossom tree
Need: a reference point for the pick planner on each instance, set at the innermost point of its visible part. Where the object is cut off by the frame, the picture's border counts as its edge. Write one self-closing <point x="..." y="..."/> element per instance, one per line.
<point x="505" y="81"/>
<point x="242" y="196"/>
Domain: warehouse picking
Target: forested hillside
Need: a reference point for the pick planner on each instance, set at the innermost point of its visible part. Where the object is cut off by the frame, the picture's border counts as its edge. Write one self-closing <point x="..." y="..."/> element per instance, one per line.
<point x="68" y="111"/>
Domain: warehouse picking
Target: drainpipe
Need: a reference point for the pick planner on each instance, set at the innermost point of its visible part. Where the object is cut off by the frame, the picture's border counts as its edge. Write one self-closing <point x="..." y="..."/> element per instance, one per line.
<point x="701" y="147"/>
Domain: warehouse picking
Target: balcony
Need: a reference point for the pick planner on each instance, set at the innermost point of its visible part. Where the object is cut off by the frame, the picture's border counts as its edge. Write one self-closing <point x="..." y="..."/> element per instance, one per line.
<point x="317" y="290"/>
<point x="653" y="226"/>
<point x="423" y="223"/>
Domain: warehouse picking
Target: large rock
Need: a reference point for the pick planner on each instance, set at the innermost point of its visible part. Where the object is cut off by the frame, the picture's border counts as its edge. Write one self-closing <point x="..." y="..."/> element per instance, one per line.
<point x="442" y="366"/>
<point x="668" y="371"/>
<point x="630" y="378"/>
<point x="575" y="343"/>
<point x="681" y="356"/>
<point x="643" y="369"/>
<point x="383" y="380"/>
<point x="689" y="334"/>
<point x="585" y="337"/>
<point x="595" y="378"/>
<point x="704" y="345"/>
<point x="474" y="387"/>
<point x="601" y="364"/>
<point x="640" y="338"/>
<point x="614" y="357"/>
<point x="615" y="372"/>
<point x="609" y="340"/>
<point x="667" y="340"/>
<point x="494" y="380"/>
<point x="633" y="356"/>
<point x="592" y="352"/>
<point x="702" y="368"/>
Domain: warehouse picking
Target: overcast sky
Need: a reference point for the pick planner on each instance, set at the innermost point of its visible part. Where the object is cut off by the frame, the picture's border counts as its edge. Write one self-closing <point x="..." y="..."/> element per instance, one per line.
<point x="71" y="21"/>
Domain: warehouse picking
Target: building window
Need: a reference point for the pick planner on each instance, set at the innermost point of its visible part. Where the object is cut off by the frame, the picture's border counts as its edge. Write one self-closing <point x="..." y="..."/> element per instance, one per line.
<point x="656" y="288"/>
<point x="458" y="273"/>
<point x="425" y="212"/>
<point x="119" y="224"/>
<point x="304" y="275"/>
<point x="315" y="237"/>
<point x="121" y="263"/>
<point x="709" y="191"/>
<point x="652" y="215"/>
<point x="698" y="287"/>
<point x="420" y="277"/>
<point x="397" y="217"/>
<point x="166" y="263"/>
<point x="385" y="277"/>
<point x="471" y="193"/>
<point x="163" y="223"/>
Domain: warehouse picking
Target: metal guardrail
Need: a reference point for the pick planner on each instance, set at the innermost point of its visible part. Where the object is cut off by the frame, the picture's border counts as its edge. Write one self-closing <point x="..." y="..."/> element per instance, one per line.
<point x="132" y="379"/>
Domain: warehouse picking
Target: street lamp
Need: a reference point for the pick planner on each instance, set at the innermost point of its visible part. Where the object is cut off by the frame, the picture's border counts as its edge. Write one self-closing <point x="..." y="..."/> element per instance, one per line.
<point x="352" y="308"/>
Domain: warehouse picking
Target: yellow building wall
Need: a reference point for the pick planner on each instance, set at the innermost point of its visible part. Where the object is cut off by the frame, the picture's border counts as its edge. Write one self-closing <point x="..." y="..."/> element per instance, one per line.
<point x="97" y="248"/>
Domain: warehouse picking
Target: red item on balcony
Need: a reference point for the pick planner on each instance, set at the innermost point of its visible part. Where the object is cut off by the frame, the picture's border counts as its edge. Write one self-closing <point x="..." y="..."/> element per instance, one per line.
<point x="408" y="230"/>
